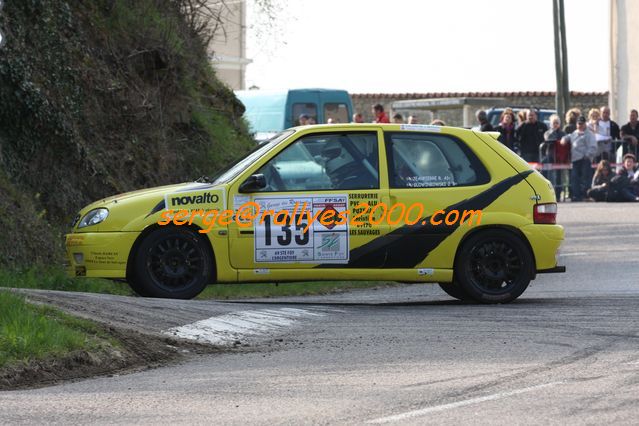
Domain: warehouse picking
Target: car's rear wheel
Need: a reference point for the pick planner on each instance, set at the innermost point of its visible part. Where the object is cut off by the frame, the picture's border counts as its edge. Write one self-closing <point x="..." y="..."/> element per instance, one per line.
<point x="172" y="263"/>
<point x="494" y="266"/>
<point x="454" y="290"/>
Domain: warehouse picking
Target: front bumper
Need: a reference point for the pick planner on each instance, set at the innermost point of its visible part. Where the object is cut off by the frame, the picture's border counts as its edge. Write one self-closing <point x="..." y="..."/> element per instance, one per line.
<point x="99" y="254"/>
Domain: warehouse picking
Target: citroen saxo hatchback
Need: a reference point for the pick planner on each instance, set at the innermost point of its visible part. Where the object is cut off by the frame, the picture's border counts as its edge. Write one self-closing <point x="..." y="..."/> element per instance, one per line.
<point x="410" y="203"/>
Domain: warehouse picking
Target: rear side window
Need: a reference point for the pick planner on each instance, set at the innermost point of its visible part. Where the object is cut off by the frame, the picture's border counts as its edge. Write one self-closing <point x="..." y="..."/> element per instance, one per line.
<point x="308" y="108"/>
<point x="336" y="113"/>
<point x="422" y="160"/>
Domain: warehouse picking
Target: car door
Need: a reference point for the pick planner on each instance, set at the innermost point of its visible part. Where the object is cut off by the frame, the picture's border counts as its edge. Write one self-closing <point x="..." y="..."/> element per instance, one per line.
<point x="331" y="173"/>
<point x="430" y="173"/>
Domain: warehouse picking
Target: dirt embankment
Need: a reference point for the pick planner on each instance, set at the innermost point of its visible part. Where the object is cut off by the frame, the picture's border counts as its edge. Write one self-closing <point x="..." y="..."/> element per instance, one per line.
<point x="99" y="97"/>
<point x="135" y="323"/>
<point x="134" y="352"/>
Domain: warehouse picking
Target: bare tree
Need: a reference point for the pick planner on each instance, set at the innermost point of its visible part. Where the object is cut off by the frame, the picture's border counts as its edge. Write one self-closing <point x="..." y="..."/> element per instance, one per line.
<point x="205" y="18"/>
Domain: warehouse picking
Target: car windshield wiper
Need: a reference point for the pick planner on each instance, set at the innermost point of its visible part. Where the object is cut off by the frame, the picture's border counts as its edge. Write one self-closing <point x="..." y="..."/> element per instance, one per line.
<point x="204" y="179"/>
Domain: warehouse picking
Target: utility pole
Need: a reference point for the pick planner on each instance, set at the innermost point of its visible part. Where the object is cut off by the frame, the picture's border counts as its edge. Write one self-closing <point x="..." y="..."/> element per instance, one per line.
<point x="562" y="95"/>
<point x="559" y="99"/>
<point x="564" y="55"/>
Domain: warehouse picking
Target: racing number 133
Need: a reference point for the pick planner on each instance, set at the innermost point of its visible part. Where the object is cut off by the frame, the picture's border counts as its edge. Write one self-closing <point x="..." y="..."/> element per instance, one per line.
<point x="301" y="237"/>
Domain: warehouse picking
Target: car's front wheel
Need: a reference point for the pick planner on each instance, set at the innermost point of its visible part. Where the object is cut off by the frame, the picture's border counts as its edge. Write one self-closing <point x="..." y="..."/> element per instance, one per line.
<point x="171" y="263"/>
<point x="494" y="266"/>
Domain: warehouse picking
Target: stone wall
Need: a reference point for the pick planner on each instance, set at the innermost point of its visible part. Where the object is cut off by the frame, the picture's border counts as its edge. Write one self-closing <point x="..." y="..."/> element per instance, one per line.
<point x="362" y="102"/>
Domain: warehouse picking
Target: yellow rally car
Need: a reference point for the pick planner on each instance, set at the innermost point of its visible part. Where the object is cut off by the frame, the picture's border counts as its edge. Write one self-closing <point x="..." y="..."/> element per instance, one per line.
<point x="363" y="170"/>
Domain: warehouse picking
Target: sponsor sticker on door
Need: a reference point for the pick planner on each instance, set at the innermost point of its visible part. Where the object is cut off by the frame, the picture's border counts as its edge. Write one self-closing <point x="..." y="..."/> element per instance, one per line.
<point x="283" y="234"/>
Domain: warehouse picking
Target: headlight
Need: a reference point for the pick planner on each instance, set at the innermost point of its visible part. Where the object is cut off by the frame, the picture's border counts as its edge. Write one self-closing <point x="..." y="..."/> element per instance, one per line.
<point x="94" y="217"/>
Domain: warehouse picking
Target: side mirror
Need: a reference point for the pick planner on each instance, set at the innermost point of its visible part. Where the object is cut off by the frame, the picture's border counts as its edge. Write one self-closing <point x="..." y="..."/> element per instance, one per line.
<point x="253" y="183"/>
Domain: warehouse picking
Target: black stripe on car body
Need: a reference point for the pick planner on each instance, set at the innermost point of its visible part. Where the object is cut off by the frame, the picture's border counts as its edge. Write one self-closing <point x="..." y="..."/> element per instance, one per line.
<point x="400" y="249"/>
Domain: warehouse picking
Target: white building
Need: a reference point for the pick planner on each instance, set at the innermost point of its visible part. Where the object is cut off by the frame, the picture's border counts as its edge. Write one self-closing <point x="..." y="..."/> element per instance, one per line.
<point x="624" y="60"/>
<point x="228" y="49"/>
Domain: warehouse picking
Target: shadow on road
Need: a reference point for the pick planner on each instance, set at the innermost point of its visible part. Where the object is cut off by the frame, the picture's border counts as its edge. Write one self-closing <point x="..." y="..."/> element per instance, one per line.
<point x="527" y="302"/>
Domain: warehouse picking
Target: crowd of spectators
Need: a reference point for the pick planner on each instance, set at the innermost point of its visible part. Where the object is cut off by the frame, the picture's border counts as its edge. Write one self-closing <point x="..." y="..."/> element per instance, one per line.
<point x="567" y="154"/>
<point x="380" y="116"/>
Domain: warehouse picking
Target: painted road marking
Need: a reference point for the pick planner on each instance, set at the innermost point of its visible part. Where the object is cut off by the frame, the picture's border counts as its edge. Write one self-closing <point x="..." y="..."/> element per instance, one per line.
<point x="227" y="329"/>
<point x="579" y="253"/>
<point x="436" y="408"/>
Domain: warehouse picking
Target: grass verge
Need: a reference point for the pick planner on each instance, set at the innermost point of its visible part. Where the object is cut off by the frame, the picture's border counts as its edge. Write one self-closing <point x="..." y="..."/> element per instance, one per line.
<point x="56" y="279"/>
<point x="29" y="332"/>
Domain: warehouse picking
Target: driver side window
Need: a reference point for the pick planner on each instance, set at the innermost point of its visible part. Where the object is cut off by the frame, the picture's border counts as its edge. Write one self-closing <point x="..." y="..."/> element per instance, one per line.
<point x="331" y="161"/>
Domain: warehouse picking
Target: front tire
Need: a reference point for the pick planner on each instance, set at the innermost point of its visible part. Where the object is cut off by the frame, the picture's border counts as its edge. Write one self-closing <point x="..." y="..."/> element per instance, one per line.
<point x="494" y="266"/>
<point x="173" y="263"/>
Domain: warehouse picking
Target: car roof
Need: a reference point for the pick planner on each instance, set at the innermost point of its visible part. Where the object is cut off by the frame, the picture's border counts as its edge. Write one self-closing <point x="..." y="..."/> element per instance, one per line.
<point x="385" y="126"/>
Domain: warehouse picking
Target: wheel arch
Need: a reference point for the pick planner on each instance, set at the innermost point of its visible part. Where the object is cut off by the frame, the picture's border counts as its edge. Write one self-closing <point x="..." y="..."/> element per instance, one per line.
<point x="513" y="230"/>
<point x="154" y="227"/>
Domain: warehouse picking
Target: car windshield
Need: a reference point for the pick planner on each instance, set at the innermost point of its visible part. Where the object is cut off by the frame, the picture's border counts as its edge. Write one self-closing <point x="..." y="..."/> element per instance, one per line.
<point x="241" y="164"/>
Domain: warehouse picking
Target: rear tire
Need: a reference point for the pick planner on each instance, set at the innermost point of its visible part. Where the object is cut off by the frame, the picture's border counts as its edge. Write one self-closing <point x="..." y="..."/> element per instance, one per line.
<point x="494" y="266"/>
<point x="172" y="263"/>
<point x="454" y="290"/>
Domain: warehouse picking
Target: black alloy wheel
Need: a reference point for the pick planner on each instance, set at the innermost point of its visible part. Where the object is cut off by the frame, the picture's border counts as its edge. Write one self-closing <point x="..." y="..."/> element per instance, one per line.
<point x="494" y="266"/>
<point x="172" y="263"/>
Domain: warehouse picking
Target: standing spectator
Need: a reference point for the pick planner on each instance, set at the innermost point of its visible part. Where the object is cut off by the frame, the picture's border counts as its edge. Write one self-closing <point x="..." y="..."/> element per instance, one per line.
<point x="358" y="117"/>
<point x="607" y="131"/>
<point x="484" y="125"/>
<point x="593" y="126"/>
<point x="625" y="184"/>
<point x="521" y="117"/>
<point x="606" y="125"/>
<point x="412" y="119"/>
<point x="630" y="132"/>
<point x="600" y="188"/>
<point x="530" y="136"/>
<point x="593" y="120"/>
<point x="398" y="119"/>
<point x="583" y="149"/>
<point x="552" y="138"/>
<point x="506" y="129"/>
<point x="380" y="115"/>
<point x="571" y="120"/>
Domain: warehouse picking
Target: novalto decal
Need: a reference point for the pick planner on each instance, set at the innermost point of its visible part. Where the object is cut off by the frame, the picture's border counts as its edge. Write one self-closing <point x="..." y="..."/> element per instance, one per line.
<point x="409" y="245"/>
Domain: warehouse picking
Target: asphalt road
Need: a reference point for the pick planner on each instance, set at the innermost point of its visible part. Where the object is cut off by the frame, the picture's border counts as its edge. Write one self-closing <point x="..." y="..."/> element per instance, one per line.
<point x="565" y="352"/>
